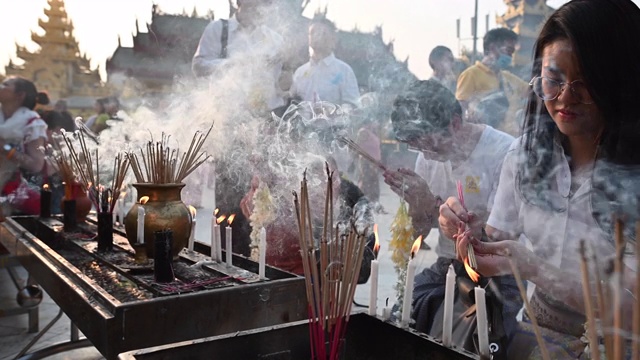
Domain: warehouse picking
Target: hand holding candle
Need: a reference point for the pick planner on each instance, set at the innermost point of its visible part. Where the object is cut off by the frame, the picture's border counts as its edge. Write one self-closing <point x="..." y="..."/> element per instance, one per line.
<point x="408" y="287"/>
<point x="373" y="290"/>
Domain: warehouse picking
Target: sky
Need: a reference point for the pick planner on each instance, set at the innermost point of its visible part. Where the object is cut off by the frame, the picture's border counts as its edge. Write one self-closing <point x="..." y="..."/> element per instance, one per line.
<point x="416" y="26"/>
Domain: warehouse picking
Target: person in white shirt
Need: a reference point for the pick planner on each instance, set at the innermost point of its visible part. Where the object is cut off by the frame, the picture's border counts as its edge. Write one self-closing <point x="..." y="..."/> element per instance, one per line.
<point x="324" y="77"/>
<point x="429" y="119"/>
<point x="575" y="169"/>
<point x="244" y="48"/>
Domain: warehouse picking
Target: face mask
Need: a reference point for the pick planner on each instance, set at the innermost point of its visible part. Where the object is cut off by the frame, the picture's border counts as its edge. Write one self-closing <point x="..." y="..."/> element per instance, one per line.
<point x="504" y="61"/>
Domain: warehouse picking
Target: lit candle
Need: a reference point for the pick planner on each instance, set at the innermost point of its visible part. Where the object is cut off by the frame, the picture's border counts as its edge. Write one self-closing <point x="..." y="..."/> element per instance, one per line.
<point x="228" y="240"/>
<point x="218" y="238"/>
<point x="373" y="290"/>
<point x="263" y="253"/>
<point x="482" y="322"/>
<point x="45" y="201"/>
<point x="214" y="233"/>
<point x="141" y="215"/>
<point x="408" y="286"/>
<point x="192" y="235"/>
<point x="386" y="311"/>
<point x="449" y="293"/>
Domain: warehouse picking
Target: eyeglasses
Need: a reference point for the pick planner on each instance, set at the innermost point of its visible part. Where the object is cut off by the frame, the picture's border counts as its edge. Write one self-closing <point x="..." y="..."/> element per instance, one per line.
<point x="549" y="89"/>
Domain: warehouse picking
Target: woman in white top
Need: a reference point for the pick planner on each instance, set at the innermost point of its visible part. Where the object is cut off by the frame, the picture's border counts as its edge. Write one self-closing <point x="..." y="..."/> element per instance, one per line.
<point x="575" y="167"/>
<point x="22" y="138"/>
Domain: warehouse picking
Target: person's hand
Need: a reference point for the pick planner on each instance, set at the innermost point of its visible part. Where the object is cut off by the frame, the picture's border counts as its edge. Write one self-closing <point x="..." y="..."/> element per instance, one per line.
<point x="453" y="216"/>
<point x="409" y="186"/>
<point x="493" y="257"/>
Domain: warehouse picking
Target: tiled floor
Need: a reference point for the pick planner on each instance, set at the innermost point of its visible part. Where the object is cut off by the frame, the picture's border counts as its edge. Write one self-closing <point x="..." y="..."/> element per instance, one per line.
<point x="13" y="330"/>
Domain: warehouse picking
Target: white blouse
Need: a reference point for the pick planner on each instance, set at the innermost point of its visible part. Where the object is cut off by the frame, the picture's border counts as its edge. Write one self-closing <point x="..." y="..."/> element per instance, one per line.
<point x="22" y="127"/>
<point x="554" y="235"/>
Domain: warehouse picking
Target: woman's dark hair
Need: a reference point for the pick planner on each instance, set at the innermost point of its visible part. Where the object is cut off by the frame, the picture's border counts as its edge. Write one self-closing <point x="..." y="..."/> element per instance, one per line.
<point x="102" y="103"/>
<point x="25" y="86"/>
<point x="605" y="38"/>
<point x="42" y="98"/>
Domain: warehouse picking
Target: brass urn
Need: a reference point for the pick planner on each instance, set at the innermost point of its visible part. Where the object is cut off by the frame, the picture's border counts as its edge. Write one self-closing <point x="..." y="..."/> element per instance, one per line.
<point x="164" y="210"/>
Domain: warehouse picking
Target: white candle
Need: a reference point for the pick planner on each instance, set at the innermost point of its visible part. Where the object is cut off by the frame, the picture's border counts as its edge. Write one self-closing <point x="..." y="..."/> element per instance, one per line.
<point x="373" y="291"/>
<point x="218" y="243"/>
<point x="482" y="322"/>
<point x="449" y="294"/>
<point x="386" y="313"/>
<point x="214" y="233"/>
<point x="114" y="212"/>
<point x="141" y="215"/>
<point x="121" y="210"/>
<point x="228" y="247"/>
<point x="408" y="293"/>
<point x="263" y="254"/>
<point x="192" y="236"/>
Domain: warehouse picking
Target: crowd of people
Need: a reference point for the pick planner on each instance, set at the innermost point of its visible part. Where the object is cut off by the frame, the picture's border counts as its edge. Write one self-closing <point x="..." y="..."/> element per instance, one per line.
<point x="543" y="162"/>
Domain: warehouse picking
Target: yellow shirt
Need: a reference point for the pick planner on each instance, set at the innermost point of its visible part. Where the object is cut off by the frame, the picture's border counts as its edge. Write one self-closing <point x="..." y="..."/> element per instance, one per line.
<point x="479" y="80"/>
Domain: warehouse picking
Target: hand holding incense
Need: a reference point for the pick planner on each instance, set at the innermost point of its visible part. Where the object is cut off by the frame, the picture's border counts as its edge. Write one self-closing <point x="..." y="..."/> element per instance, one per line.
<point x="471" y="254"/>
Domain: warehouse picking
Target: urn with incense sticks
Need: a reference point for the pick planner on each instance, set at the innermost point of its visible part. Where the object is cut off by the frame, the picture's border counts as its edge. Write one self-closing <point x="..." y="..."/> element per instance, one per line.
<point x="164" y="209"/>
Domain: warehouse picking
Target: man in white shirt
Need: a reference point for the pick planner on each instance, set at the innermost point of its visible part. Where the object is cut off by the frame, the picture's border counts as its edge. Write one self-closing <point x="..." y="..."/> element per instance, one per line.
<point x="429" y="119"/>
<point x="324" y="77"/>
<point x="245" y="53"/>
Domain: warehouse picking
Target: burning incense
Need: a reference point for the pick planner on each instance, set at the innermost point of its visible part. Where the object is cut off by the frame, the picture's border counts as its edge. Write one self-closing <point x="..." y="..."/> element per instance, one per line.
<point x="617" y="281"/>
<point x="471" y="254"/>
<point x="592" y="331"/>
<point x="330" y="287"/>
<point x="163" y="165"/>
<point x="356" y="148"/>
<point x="532" y="316"/>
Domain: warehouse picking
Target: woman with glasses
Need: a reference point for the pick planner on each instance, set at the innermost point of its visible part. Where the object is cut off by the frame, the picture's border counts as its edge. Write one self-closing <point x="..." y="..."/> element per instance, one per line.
<point x="572" y="170"/>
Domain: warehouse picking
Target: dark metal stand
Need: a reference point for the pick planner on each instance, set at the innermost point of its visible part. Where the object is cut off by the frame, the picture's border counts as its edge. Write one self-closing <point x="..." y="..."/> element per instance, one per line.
<point x="8" y="262"/>
<point x="74" y="342"/>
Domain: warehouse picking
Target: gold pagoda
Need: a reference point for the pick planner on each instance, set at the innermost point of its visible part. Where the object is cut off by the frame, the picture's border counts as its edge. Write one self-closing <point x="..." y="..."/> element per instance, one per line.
<point x="525" y="18"/>
<point x="57" y="67"/>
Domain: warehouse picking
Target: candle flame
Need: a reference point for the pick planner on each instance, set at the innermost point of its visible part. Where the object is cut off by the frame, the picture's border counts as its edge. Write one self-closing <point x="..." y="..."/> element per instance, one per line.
<point x="472" y="273"/>
<point x="45" y="187"/>
<point x="376" y="246"/>
<point x="416" y="246"/>
<point x="143" y="200"/>
<point x="220" y="219"/>
<point x="216" y="211"/>
<point x="193" y="211"/>
<point x="230" y="219"/>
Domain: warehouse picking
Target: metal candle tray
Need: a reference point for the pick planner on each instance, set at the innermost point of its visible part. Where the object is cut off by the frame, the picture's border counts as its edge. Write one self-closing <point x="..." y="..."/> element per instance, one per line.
<point x="116" y="304"/>
<point x="367" y="338"/>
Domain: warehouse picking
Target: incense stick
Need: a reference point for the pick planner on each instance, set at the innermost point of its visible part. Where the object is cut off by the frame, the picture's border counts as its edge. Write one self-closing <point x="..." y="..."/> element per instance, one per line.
<point x="163" y="165"/>
<point x="331" y="272"/>
<point x="527" y="306"/>
<point x="471" y="254"/>
<point x="592" y="332"/>
<point x="355" y="147"/>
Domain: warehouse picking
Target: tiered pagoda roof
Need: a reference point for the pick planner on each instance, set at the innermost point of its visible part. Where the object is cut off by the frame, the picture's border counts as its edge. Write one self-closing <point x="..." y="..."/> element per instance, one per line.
<point x="58" y="66"/>
<point x="525" y="18"/>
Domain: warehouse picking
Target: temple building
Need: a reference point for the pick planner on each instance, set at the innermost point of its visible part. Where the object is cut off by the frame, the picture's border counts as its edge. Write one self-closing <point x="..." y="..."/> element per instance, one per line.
<point x="525" y="18"/>
<point x="158" y="55"/>
<point x="58" y="67"/>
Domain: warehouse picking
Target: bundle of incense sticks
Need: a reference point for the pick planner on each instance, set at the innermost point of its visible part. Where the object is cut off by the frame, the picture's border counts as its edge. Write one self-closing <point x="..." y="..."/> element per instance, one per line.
<point x="163" y="165"/>
<point x="360" y="151"/>
<point x="63" y="165"/>
<point x="120" y="167"/>
<point x="331" y="273"/>
<point x="471" y="254"/>
<point x="606" y="317"/>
